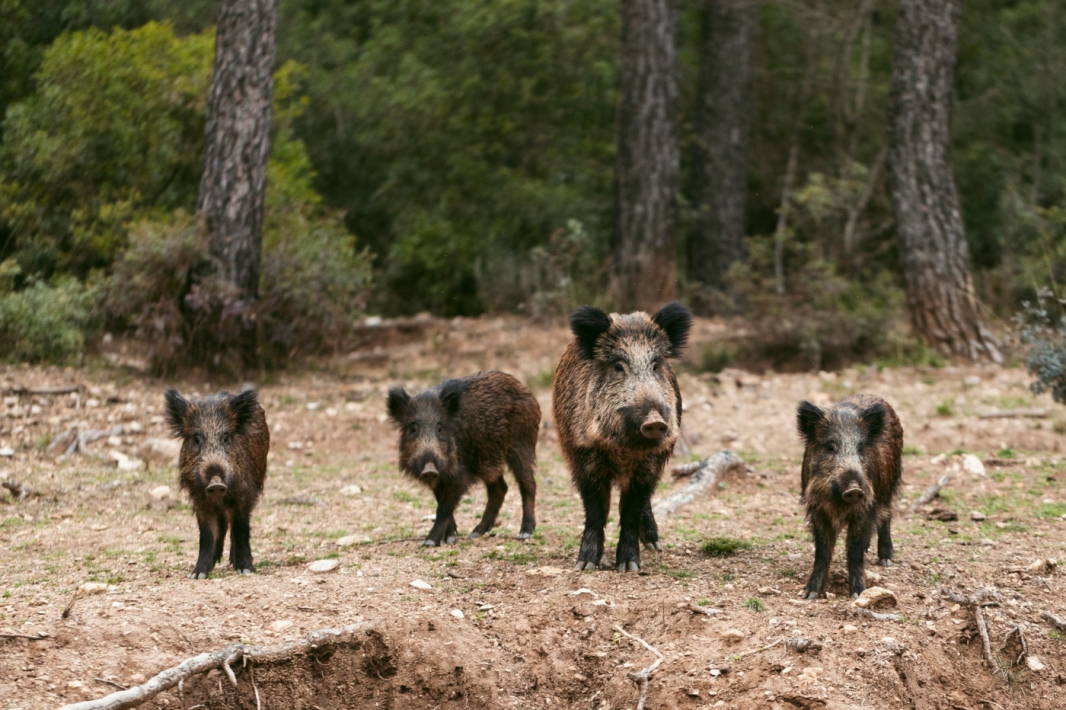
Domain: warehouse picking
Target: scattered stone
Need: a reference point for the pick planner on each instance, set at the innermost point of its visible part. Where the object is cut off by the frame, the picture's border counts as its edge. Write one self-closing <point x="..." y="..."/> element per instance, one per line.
<point x="281" y="625"/>
<point x="419" y="584"/>
<point x="323" y="565"/>
<point x="92" y="588"/>
<point x="872" y="577"/>
<point x="125" y="463"/>
<point x="876" y="598"/>
<point x="295" y="444"/>
<point x="972" y="381"/>
<point x="1042" y="565"/>
<point x="942" y="514"/>
<point x="1034" y="664"/>
<point x="693" y="692"/>
<point x="429" y="518"/>
<point x="7" y="451"/>
<point x="457" y="613"/>
<point x="977" y="516"/>
<point x="331" y="412"/>
<point x="546" y="571"/>
<point x="972" y="465"/>
<point x="765" y="591"/>
<point x="987" y="542"/>
<point x="731" y="636"/>
<point x="75" y="684"/>
<point x="352" y="490"/>
<point x="312" y="406"/>
<point x="160" y="493"/>
<point x="850" y="629"/>
<point x="349" y="540"/>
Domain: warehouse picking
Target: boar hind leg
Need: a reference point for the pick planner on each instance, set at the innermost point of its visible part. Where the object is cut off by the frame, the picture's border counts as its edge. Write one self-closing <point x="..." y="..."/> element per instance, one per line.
<point x="859" y="534"/>
<point x="447" y="499"/>
<point x="635" y="502"/>
<point x="521" y="463"/>
<point x="497" y="490"/>
<point x="825" y="539"/>
<point x="210" y="538"/>
<point x="649" y="530"/>
<point x="884" y="542"/>
<point x="240" y="544"/>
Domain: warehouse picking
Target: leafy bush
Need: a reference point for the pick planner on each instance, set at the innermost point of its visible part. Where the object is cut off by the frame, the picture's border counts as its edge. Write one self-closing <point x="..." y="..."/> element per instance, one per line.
<point x="1041" y="327"/>
<point x="43" y="322"/>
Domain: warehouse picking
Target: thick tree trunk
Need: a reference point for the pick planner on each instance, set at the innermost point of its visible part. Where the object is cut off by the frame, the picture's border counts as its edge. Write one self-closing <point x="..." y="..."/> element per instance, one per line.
<point x="720" y="157"/>
<point x="933" y="251"/>
<point x="648" y="160"/>
<point x="237" y="142"/>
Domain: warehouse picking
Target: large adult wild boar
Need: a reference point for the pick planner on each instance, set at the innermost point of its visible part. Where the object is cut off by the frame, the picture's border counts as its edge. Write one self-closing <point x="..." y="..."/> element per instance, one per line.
<point x="617" y="410"/>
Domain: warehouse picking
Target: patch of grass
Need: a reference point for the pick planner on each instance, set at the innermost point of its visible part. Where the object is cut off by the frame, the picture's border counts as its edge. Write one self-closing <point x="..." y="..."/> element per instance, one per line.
<point x="946" y="408"/>
<point x="715" y="357"/>
<point x="406" y="497"/>
<point x="788" y="573"/>
<point x="911" y="451"/>
<point x="704" y="602"/>
<point x="724" y="546"/>
<point x="1051" y="510"/>
<point x="1007" y="453"/>
<point x="330" y="534"/>
<point x="754" y="604"/>
<point x="541" y="380"/>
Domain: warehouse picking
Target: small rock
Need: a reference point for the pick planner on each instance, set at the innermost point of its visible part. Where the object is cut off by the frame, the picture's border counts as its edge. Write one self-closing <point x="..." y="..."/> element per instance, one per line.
<point x="977" y="516"/>
<point x="75" y="684"/>
<point x="135" y="427"/>
<point x="872" y="577"/>
<point x="850" y="629"/>
<point x="160" y="493"/>
<point x="125" y="463"/>
<point x="731" y="636"/>
<point x="987" y="542"/>
<point x="546" y="571"/>
<point x="372" y="321"/>
<point x="323" y="565"/>
<point x="114" y="440"/>
<point x="92" y="588"/>
<point x="942" y="514"/>
<point x="430" y="517"/>
<point x="280" y="625"/>
<point x="972" y="381"/>
<point x="876" y="598"/>
<point x="295" y="444"/>
<point x="8" y="451"/>
<point x="351" y="490"/>
<point x="1034" y="664"/>
<point x="92" y="403"/>
<point x="312" y="406"/>
<point x="972" y="465"/>
<point x="331" y="412"/>
<point x="457" y="613"/>
<point x="349" y="540"/>
<point x="693" y="693"/>
<point x="1042" y="566"/>
<point x="419" y="584"/>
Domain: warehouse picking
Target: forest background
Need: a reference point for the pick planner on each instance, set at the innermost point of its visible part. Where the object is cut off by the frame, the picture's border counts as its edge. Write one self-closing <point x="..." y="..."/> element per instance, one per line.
<point x="459" y="157"/>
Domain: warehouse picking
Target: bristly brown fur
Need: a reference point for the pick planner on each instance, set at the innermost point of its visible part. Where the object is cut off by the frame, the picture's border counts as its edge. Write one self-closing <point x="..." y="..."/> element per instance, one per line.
<point x="856" y="445"/>
<point x="470" y="428"/>
<point x="611" y="378"/>
<point x="224" y="437"/>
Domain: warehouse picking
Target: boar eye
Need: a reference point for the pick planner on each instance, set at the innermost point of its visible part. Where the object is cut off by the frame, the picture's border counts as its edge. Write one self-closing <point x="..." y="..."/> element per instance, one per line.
<point x="440" y="427"/>
<point x="412" y="429"/>
<point x="226" y="438"/>
<point x="197" y="440"/>
<point x="656" y="365"/>
<point x="619" y="368"/>
<point x="831" y="447"/>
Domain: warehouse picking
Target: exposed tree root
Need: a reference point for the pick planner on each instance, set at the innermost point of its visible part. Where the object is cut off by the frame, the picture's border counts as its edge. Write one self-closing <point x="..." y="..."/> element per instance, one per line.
<point x="931" y="492"/>
<point x="38" y="637"/>
<point x="705" y="610"/>
<point x="1054" y="620"/>
<point x="19" y="490"/>
<point x="977" y="602"/>
<point x="641" y="677"/>
<point x="707" y="472"/>
<point x="137" y="695"/>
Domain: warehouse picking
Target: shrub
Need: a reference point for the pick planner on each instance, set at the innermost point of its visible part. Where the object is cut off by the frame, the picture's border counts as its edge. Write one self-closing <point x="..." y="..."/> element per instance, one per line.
<point x="1041" y="328"/>
<point x="43" y="322"/>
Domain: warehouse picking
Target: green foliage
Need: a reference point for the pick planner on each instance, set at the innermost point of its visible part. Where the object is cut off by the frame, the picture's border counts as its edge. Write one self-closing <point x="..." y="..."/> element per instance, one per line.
<point x="946" y="408"/>
<point x="754" y="604"/>
<point x="724" y="546"/>
<point x="44" y="321"/>
<point x="715" y="357"/>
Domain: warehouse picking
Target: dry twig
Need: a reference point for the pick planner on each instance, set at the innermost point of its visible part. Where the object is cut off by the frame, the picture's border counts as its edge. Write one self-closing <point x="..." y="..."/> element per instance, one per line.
<point x="753" y="651"/>
<point x="931" y="492"/>
<point x="981" y="598"/>
<point x="66" y="389"/>
<point x="1021" y="640"/>
<point x="705" y="610"/>
<point x="19" y="490"/>
<point x="112" y="683"/>
<point x="137" y="695"/>
<point x="40" y="635"/>
<point x="1054" y="620"/>
<point x="1011" y="413"/>
<point x="704" y="477"/>
<point x="641" y="678"/>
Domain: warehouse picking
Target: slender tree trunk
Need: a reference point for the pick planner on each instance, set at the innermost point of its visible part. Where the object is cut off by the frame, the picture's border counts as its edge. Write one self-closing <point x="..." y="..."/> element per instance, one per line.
<point x="648" y="161"/>
<point x="723" y="126"/>
<point x="236" y="145"/>
<point x="933" y="252"/>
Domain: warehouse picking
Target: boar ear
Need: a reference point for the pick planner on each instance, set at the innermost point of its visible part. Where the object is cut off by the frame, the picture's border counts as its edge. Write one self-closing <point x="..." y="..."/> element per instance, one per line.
<point x="588" y="324"/>
<point x="176" y="408"/>
<point x="243" y="406"/>
<point x="397" y="403"/>
<point x="675" y="320"/>
<point x="873" y="420"/>
<point x="450" y="393"/>
<point x="808" y="417"/>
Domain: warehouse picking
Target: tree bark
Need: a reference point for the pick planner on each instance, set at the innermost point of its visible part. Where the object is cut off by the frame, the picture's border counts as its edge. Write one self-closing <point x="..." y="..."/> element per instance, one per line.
<point x="720" y="156"/>
<point x="237" y="143"/>
<point x="934" y="255"/>
<point x="648" y="161"/>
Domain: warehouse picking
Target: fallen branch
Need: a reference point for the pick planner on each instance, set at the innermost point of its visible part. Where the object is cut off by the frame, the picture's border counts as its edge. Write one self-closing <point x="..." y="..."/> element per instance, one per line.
<point x="1011" y="413"/>
<point x="980" y="599"/>
<point x="137" y="695"/>
<point x="982" y="627"/>
<point x="704" y="477"/>
<point x="40" y="635"/>
<point x="931" y="492"/>
<point x="112" y="683"/>
<point x="78" y="442"/>
<point x="1054" y="620"/>
<point x="705" y="610"/>
<point x="642" y="677"/>
<point x="65" y="389"/>
<point x="69" y="607"/>
<point x="1024" y="654"/>
<point x="753" y="651"/>
<point x="19" y="490"/>
<point x="875" y="614"/>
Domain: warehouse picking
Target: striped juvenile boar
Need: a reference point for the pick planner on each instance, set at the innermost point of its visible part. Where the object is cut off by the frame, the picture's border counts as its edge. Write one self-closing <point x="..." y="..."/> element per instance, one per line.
<point x="852" y="465"/>
<point x="464" y="430"/>
<point x="222" y="467"/>
<point x="617" y="409"/>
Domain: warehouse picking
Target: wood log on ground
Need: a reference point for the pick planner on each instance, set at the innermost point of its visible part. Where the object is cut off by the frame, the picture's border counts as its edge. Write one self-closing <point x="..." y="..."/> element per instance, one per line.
<point x="1015" y="413"/>
<point x="171" y="677"/>
<point x="20" y="490"/>
<point x="931" y="492"/>
<point x="708" y="472"/>
<point x="1054" y="620"/>
<point x="65" y="389"/>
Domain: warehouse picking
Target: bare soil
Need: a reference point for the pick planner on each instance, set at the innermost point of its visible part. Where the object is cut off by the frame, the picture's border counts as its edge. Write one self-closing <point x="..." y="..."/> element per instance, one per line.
<point x="531" y="633"/>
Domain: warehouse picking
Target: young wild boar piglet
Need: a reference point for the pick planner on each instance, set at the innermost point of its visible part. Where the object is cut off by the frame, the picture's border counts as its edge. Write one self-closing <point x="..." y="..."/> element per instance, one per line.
<point x="467" y="429"/>
<point x="222" y="467"/>
<point x="852" y="466"/>
<point x="617" y="409"/>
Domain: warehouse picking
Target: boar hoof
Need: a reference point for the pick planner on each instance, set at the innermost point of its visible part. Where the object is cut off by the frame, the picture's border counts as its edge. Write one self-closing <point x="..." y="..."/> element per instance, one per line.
<point x="450" y="539"/>
<point x="630" y="566"/>
<point x="475" y="534"/>
<point x="653" y="546"/>
<point x="428" y="542"/>
<point x="198" y="575"/>
<point x="524" y="535"/>
<point x="246" y="570"/>
<point x="887" y="562"/>
<point x="585" y="564"/>
<point x="812" y="595"/>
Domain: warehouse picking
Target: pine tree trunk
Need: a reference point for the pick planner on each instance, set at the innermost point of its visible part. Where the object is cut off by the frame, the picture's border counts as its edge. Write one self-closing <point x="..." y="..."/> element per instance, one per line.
<point x="648" y="159"/>
<point x="720" y="157"/>
<point x="236" y="144"/>
<point x="934" y="255"/>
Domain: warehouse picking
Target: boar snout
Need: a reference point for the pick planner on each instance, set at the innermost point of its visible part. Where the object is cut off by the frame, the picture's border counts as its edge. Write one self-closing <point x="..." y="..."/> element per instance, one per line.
<point x="653" y="426"/>
<point x="429" y="471"/>
<point x="853" y="494"/>
<point x="216" y="485"/>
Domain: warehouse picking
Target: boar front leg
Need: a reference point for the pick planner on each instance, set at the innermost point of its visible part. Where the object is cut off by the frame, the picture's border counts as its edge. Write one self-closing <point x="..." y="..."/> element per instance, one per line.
<point x="859" y="534"/>
<point x="594" y="485"/>
<point x="649" y="530"/>
<point x="447" y="499"/>
<point x="825" y="538"/>
<point x="240" y="545"/>
<point x="210" y="538"/>
<point x="635" y="500"/>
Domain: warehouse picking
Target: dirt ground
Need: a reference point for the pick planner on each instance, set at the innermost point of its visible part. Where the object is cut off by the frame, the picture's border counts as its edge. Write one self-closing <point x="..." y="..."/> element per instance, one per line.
<point x="531" y="632"/>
